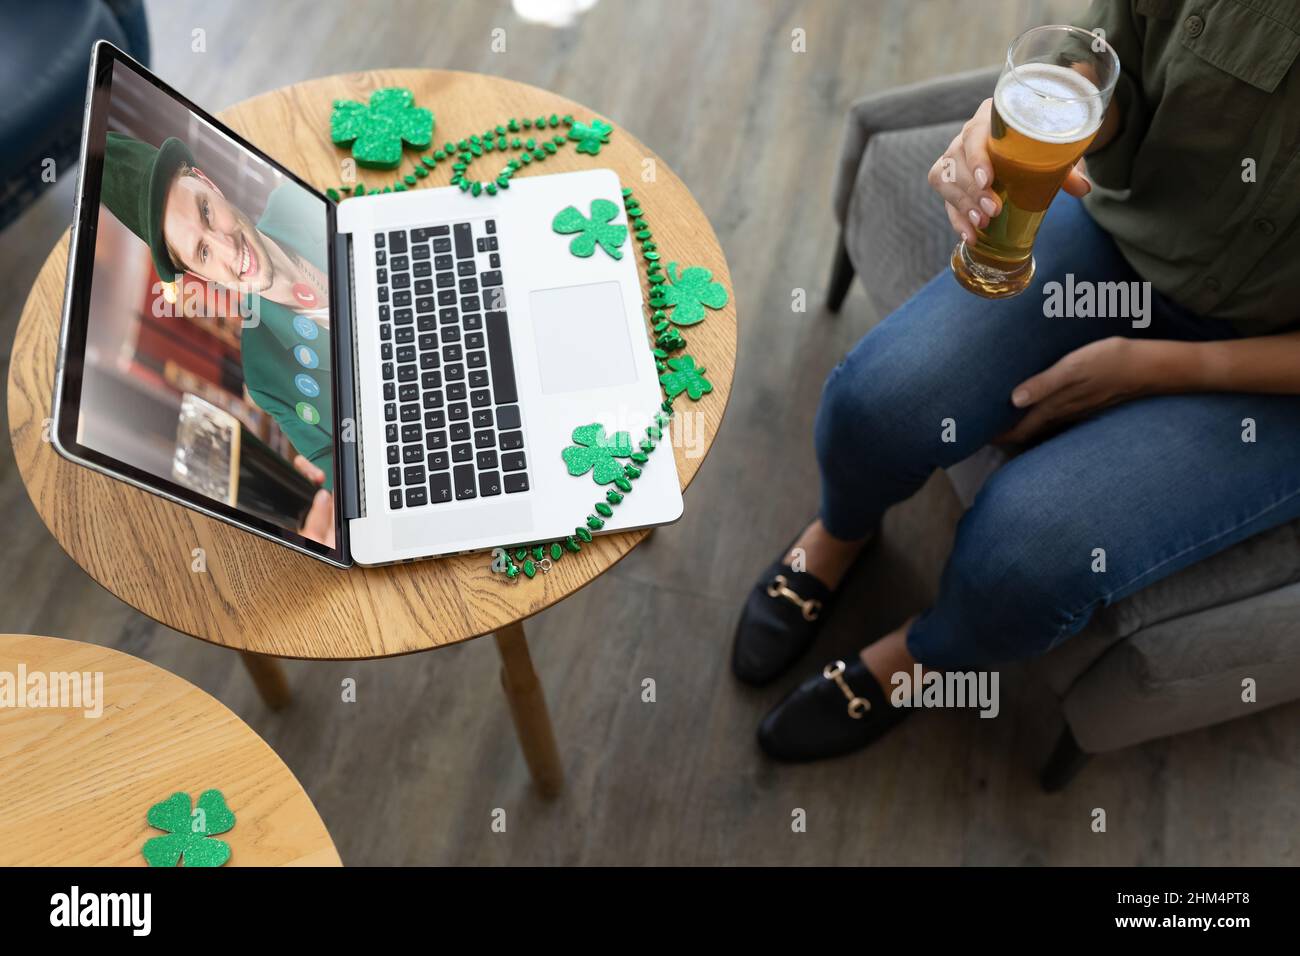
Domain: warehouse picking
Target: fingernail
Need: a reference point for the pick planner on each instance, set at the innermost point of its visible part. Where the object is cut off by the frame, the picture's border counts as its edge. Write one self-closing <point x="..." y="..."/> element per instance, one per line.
<point x="988" y="205"/>
<point x="1020" y="398"/>
<point x="974" y="217"/>
<point x="981" y="177"/>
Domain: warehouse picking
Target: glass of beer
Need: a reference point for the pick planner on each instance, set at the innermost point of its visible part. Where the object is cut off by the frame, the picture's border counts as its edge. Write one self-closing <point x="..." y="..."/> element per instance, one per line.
<point x="1050" y="99"/>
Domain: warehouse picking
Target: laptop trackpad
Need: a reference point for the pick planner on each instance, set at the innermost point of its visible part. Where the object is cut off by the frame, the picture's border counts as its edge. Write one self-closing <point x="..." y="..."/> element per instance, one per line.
<point x="581" y="337"/>
<point x="505" y="516"/>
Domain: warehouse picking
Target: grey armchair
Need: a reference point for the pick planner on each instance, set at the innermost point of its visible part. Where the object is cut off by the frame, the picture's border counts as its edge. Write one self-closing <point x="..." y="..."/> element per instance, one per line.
<point x="1172" y="657"/>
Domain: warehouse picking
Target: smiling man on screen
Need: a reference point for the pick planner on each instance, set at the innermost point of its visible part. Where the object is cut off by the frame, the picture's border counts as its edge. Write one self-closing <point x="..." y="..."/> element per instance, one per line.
<point x="189" y="225"/>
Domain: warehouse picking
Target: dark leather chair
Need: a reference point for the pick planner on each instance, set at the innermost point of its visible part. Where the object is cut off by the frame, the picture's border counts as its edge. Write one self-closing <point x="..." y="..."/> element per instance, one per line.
<point x="44" y="57"/>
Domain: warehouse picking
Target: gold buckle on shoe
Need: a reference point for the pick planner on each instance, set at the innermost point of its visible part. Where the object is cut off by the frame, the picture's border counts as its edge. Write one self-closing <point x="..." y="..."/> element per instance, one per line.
<point x="780" y="587"/>
<point x="857" y="705"/>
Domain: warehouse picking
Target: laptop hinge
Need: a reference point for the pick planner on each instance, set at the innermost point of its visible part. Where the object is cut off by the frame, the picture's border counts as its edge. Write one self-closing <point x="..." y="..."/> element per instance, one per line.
<point x="349" y="426"/>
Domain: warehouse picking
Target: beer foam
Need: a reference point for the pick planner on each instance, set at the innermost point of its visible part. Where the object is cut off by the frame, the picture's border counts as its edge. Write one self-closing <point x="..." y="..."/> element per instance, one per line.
<point x="1049" y="103"/>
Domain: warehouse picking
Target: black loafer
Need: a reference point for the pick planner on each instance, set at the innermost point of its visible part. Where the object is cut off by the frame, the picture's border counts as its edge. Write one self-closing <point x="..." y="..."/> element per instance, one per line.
<point x="841" y="710"/>
<point x="781" y="617"/>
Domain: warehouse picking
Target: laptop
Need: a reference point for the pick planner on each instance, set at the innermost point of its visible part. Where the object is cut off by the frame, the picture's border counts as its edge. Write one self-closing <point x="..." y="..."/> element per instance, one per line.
<point x="387" y="378"/>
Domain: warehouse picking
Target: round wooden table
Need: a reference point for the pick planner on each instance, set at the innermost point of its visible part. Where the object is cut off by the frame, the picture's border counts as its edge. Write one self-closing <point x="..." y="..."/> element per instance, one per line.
<point x="140" y="547"/>
<point x="76" y="788"/>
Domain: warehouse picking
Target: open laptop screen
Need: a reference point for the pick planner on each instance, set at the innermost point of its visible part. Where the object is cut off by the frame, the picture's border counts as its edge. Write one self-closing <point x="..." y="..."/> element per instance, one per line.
<point x="205" y="358"/>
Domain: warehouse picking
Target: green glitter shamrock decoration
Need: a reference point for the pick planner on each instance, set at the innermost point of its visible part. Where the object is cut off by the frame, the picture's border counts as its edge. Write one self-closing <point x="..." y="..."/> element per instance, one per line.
<point x="685" y="377"/>
<point x="377" y="131"/>
<point x="594" y="452"/>
<point x="690" y="293"/>
<point x="597" y="229"/>
<point x="189" y="835"/>
<point x="590" y="138"/>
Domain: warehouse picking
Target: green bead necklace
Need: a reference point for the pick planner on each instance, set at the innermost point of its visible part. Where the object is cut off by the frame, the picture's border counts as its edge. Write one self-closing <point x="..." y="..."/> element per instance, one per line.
<point x="532" y="140"/>
<point x="515" y="559"/>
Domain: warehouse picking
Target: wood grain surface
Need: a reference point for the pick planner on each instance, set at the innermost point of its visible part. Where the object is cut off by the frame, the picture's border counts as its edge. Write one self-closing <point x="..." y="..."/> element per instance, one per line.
<point x="140" y="547"/>
<point x="75" y="789"/>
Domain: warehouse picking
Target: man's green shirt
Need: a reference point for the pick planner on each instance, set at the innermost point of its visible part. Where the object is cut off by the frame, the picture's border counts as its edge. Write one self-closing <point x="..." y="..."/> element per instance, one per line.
<point x="1200" y="186"/>
<point x="286" y="356"/>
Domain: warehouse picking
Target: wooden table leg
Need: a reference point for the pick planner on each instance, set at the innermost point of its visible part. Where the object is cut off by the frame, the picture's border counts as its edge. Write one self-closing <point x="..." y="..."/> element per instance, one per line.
<point x="268" y="677"/>
<point x="528" y="710"/>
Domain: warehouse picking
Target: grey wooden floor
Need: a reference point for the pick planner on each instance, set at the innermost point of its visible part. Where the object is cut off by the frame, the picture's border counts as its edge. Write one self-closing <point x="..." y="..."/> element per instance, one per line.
<point x="412" y="772"/>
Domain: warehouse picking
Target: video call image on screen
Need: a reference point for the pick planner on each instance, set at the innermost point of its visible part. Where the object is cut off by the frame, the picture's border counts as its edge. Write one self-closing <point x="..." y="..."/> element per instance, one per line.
<point x="207" y="356"/>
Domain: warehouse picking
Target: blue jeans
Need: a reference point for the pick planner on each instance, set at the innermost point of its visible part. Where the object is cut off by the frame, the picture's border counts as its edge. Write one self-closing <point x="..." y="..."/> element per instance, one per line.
<point x="1157" y="483"/>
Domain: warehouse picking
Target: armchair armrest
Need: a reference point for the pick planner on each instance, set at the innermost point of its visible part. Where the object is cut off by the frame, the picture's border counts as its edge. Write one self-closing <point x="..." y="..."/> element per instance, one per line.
<point x="941" y="100"/>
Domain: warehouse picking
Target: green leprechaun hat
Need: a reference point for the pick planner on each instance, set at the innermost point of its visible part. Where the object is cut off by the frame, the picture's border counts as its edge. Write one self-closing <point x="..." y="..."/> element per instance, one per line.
<point x="135" y="183"/>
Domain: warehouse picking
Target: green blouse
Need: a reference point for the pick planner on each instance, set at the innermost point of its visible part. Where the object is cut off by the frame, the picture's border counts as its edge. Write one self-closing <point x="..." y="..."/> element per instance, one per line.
<point x="1200" y="186"/>
<point x="286" y="356"/>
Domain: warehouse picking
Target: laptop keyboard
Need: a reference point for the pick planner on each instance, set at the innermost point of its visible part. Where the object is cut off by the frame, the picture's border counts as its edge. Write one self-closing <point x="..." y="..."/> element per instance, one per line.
<point x="452" y="425"/>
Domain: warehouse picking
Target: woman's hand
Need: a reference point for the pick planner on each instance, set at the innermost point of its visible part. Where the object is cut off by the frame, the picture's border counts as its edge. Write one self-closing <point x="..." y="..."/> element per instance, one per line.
<point x="963" y="174"/>
<point x="1100" y="374"/>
